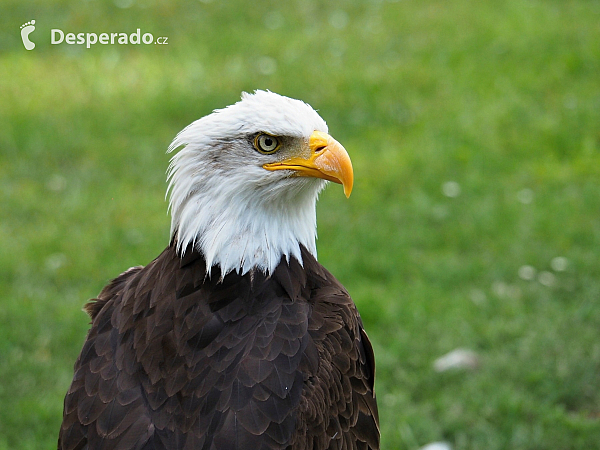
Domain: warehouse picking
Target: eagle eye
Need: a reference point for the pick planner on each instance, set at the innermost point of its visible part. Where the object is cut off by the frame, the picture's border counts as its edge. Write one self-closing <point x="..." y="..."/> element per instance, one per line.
<point x="266" y="144"/>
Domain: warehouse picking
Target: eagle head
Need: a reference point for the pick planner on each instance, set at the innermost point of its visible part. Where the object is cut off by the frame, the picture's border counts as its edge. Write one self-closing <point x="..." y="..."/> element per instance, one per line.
<point x="243" y="187"/>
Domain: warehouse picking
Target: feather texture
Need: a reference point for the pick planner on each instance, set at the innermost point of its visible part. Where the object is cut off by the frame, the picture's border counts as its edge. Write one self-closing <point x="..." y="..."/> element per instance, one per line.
<point x="176" y="359"/>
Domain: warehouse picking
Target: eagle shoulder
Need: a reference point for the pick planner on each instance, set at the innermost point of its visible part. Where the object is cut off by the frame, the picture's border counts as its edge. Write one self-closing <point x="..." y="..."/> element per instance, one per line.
<point x="111" y="290"/>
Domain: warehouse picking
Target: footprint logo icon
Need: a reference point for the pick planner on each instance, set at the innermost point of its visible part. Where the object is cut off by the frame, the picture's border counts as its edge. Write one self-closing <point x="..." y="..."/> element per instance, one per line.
<point x="26" y="30"/>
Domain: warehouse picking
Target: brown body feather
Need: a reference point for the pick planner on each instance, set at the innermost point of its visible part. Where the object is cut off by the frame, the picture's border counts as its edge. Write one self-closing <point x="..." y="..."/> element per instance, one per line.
<point x="178" y="360"/>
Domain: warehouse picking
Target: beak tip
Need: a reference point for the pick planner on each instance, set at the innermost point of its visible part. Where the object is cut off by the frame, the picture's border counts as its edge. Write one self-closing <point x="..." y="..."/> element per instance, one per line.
<point x="348" y="184"/>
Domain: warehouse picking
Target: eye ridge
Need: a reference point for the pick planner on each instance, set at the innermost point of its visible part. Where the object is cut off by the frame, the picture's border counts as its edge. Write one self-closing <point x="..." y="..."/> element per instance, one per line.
<point x="266" y="143"/>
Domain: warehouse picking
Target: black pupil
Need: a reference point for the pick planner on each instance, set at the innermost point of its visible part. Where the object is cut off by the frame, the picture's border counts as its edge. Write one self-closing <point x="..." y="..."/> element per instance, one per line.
<point x="268" y="142"/>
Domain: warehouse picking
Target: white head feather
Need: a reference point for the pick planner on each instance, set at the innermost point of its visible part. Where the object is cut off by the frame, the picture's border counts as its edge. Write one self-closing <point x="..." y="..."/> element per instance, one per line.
<point x="237" y="214"/>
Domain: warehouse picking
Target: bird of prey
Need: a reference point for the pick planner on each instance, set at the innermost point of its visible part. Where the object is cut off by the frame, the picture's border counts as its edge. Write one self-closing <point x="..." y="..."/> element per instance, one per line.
<point x="234" y="337"/>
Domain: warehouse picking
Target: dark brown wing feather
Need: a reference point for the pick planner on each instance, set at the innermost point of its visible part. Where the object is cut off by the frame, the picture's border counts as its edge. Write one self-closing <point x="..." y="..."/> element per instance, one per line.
<point x="338" y="409"/>
<point x="178" y="360"/>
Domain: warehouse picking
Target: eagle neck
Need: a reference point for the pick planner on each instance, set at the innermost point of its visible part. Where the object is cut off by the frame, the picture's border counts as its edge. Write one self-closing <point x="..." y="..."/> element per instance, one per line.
<point x="248" y="230"/>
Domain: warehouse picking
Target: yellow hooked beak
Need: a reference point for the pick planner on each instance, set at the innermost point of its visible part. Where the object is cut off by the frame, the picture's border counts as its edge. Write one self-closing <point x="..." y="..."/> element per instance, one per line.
<point x="327" y="160"/>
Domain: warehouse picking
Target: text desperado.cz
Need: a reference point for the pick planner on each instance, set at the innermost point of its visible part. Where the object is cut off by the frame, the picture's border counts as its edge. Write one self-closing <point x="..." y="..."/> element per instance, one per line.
<point x="58" y="36"/>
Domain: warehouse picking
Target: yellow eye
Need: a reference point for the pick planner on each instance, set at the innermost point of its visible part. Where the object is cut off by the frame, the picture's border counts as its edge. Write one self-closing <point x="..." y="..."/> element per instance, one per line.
<point x="267" y="144"/>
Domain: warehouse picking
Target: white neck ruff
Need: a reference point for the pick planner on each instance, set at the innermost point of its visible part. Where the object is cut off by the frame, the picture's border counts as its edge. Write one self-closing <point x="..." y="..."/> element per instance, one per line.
<point x="241" y="231"/>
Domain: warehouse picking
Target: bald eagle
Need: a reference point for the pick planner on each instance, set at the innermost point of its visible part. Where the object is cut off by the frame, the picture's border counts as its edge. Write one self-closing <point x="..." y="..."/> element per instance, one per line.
<point x="234" y="337"/>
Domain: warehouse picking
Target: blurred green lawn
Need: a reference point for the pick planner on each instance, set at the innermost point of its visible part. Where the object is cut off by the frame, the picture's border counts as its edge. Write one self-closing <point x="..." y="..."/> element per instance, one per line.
<point x="474" y="128"/>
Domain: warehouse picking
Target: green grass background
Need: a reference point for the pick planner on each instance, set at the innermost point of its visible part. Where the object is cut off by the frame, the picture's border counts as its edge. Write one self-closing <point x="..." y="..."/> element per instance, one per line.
<point x="499" y="96"/>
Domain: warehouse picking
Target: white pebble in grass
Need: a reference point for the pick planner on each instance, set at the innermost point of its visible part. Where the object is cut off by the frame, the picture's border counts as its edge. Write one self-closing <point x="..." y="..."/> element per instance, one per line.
<point x="440" y="212"/>
<point x="499" y="288"/>
<point x="570" y="102"/>
<point x="134" y="236"/>
<point x="339" y="19"/>
<point x="266" y="65"/>
<point x="547" y="279"/>
<point x="503" y="290"/>
<point x="559" y="264"/>
<point x="273" y="20"/>
<point x="56" y="261"/>
<point x="478" y="297"/>
<point x="460" y="358"/>
<point x="527" y="273"/>
<point x="525" y="196"/>
<point x="437" y="446"/>
<point x="451" y="189"/>
<point x="57" y="183"/>
<point x="235" y="66"/>
<point x="337" y="48"/>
